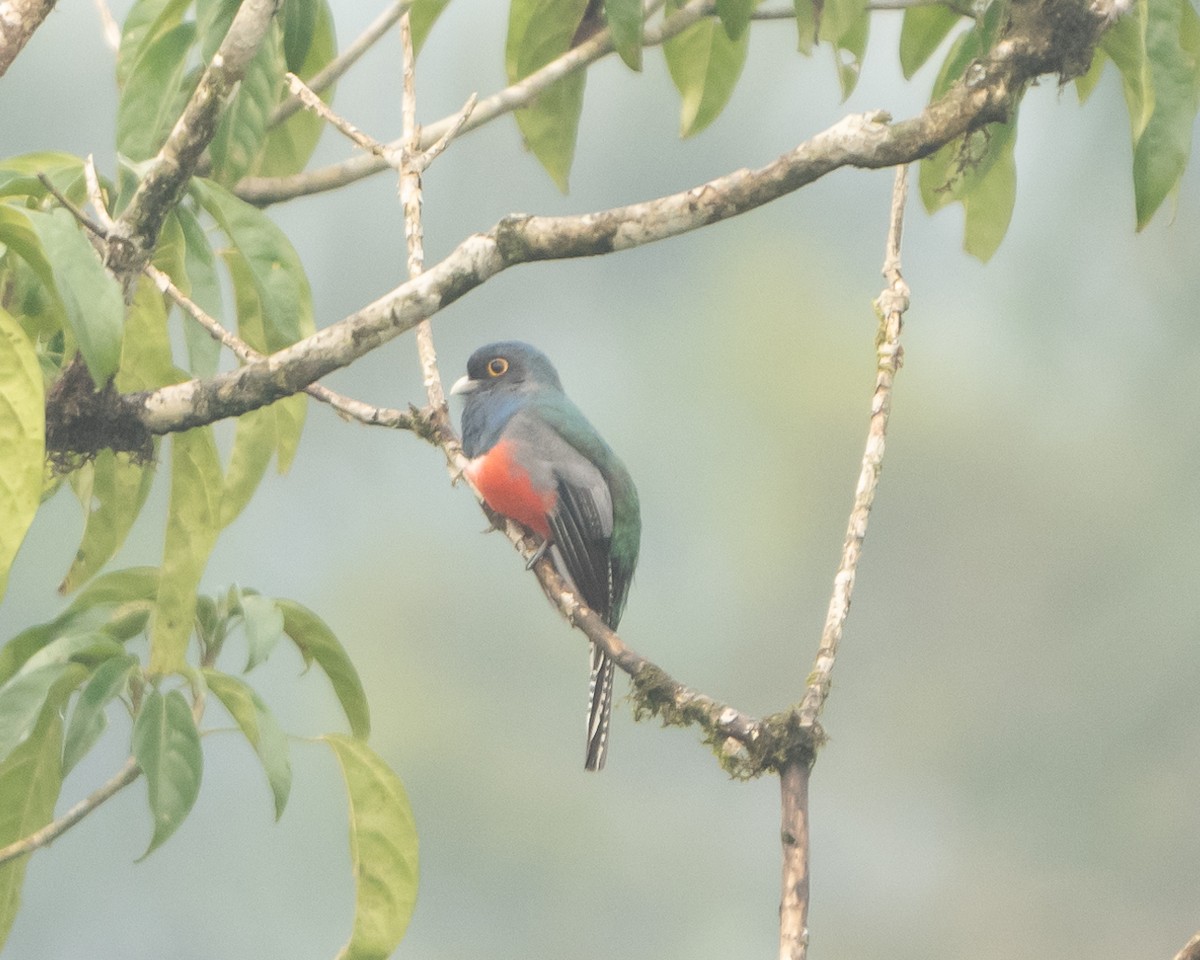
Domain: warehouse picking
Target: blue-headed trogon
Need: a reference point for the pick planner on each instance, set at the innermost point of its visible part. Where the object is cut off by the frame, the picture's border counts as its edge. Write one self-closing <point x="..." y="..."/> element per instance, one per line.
<point x="536" y="459"/>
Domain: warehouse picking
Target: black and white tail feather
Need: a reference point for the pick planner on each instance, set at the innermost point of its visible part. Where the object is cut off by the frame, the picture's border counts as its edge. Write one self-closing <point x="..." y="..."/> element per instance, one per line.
<point x="600" y="699"/>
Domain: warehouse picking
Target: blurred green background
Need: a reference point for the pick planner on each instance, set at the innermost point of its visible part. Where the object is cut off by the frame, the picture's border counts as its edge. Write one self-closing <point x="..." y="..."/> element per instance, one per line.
<point x="1015" y="755"/>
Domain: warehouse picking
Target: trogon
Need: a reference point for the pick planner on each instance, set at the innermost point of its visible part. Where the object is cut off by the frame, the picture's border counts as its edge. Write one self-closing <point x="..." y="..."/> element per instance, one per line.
<point x="535" y="459"/>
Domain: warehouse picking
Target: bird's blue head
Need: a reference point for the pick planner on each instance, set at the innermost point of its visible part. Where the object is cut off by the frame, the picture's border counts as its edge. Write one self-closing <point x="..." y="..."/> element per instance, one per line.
<point x="501" y="377"/>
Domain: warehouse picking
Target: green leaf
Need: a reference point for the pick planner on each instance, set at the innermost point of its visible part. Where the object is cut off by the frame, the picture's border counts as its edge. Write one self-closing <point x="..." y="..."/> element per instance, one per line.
<point x="241" y="132"/>
<point x="118" y="491"/>
<point x="289" y="145"/>
<point x="540" y="31"/>
<point x="30" y="781"/>
<point x="204" y="287"/>
<point x="421" y="17"/>
<point x="705" y="65"/>
<point x="806" y="25"/>
<point x="95" y="305"/>
<point x="213" y="18"/>
<point x="273" y="262"/>
<point x="735" y="16"/>
<point x="1085" y="85"/>
<point x="923" y="31"/>
<point x="259" y="433"/>
<point x="299" y="24"/>
<point x="166" y="745"/>
<point x="383" y="851"/>
<point x="263" y="623"/>
<point x="317" y="642"/>
<point x="256" y="722"/>
<point x="848" y="51"/>
<point x="88" y="720"/>
<point x="988" y="207"/>
<point x="21" y="701"/>
<point x="22" y="438"/>
<point x="625" y="24"/>
<point x="146" y="360"/>
<point x="1161" y="153"/>
<point x="145" y="23"/>
<point x="1125" y="44"/>
<point x="155" y="93"/>
<point x="193" y="521"/>
<point x="838" y="18"/>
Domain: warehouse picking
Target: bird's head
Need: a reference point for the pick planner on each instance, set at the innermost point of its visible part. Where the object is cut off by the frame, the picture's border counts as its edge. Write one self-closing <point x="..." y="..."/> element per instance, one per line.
<point x="508" y="366"/>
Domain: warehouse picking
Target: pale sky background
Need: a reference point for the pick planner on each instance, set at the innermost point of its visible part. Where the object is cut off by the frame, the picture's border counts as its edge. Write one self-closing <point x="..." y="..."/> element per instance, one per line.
<point x="1015" y="752"/>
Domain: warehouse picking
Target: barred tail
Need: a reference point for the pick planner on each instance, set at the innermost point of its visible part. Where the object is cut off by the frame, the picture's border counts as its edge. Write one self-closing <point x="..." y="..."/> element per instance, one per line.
<point x="600" y="694"/>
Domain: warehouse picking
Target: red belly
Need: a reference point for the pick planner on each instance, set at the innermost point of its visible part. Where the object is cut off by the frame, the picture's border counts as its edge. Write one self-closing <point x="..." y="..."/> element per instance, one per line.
<point x="506" y="487"/>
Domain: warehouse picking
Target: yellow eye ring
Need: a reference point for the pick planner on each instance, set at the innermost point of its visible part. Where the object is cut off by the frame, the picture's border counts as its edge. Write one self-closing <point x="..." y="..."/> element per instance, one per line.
<point x="497" y="367"/>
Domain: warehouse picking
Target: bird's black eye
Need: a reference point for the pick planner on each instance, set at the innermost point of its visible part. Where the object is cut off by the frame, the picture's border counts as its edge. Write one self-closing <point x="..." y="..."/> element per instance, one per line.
<point x="497" y="367"/>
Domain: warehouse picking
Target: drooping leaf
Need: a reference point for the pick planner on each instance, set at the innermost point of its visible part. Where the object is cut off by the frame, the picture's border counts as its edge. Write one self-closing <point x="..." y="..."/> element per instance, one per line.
<point x="1125" y="43"/>
<point x="204" y="288"/>
<point x="383" y="851"/>
<point x="924" y="29"/>
<point x="625" y="23"/>
<point x="193" y="521"/>
<point x="30" y="780"/>
<point x="289" y="145"/>
<point x="806" y="25"/>
<point x="540" y="31"/>
<point x="258" y="432"/>
<point x="95" y="306"/>
<point x="22" y="438"/>
<point x="19" y="174"/>
<point x="705" y="66"/>
<point x="988" y="207"/>
<point x="167" y="747"/>
<point x="1162" y="151"/>
<point x="421" y="17"/>
<point x="263" y="622"/>
<point x="735" y="16"/>
<point x="241" y="132"/>
<point x="155" y="93"/>
<point x="119" y="490"/>
<point x="848" y="51"/>
<point x="1085" y="85"/>
<point x="317" y="642"/>
<point x="88" y="720"/>
<point x="259" y="726"/>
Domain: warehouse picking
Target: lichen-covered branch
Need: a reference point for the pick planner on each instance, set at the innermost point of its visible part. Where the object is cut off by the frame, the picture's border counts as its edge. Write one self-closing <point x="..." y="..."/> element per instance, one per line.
<point x="18" y="21"/>
<point x="131" y="243"/>
<point x="891" y="304"/>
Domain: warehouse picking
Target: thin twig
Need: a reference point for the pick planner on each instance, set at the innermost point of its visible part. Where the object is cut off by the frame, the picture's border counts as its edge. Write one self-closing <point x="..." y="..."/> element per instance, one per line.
<point x="414" y="162"/>
<point x="1190" y="950"/>
<point x="892" y="303"/>
<point x="793" y="903"/>
<point x="70" y="206"/>
<point x="318" y="106"/>
<point x="329" y="74"/>
<point x="129" y="772"/>
<point x="794" y="774"/>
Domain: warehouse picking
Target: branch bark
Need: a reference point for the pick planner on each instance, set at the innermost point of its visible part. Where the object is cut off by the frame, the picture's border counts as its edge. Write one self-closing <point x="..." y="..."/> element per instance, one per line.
<point x="860" y="140"/>
<point x="18" y="21"/>
<point x="136" y="231"/>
